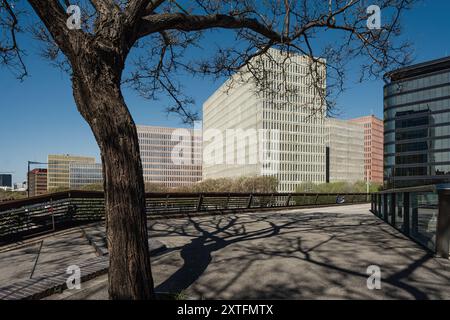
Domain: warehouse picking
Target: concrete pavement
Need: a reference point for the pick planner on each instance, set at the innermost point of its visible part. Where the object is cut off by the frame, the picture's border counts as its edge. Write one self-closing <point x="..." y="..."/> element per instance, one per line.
<point x="318" y="253"/>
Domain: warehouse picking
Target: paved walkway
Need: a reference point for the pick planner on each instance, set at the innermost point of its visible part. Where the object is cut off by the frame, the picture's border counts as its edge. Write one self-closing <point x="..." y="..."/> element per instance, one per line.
<point x="302" y="254"/>
<point x="36" y="268"/>
<point x="318" y="253"/>
<point x="36" y="258"/>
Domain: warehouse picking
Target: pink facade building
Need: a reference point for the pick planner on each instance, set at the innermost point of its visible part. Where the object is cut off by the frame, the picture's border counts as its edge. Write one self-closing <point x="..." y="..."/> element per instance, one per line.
<point x="373" y="147"/>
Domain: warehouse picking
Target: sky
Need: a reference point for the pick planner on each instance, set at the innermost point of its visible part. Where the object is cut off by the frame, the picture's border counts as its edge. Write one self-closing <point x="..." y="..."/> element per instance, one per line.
<point x="38" y="116"/>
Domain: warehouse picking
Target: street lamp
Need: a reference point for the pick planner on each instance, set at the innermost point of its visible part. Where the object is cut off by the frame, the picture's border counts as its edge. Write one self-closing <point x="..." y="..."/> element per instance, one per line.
<point x="28" y="174"/>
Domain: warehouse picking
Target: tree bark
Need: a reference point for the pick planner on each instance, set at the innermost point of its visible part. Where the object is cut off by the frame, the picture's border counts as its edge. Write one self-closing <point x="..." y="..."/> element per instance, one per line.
<point x="96" y="88"/>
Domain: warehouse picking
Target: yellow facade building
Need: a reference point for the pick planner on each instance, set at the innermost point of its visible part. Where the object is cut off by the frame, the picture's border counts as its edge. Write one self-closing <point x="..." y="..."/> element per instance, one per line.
<point x="58" y="175"/>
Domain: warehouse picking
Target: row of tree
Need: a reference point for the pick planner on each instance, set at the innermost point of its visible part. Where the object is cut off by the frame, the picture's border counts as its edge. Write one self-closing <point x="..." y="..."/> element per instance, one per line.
<point x="339" y="187"/>
<point x="11" y="195"/>
<point x="241" y="184"/>
<point x="252" y="184"/>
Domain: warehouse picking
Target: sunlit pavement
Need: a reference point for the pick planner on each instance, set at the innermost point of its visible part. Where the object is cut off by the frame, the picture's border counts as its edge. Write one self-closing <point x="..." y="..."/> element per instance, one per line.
<point x="318" y="253"/>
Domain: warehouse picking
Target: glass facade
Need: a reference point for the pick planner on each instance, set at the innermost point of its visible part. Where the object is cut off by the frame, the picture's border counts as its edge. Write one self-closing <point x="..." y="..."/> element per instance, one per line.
<point x="399" y="219"/>
<point x="423" y="213"/>
<point x="58" y="172"/>
<point x="82" y="174"/>
<point x="417" y="126"/>
<point x="6" y="180"/>
<point x="413" y="213"/>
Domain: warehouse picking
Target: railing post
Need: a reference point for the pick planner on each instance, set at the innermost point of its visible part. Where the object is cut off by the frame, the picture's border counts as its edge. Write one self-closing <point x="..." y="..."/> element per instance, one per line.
<point x="317" y="198"/>
<point x="406" y="213"/>
<point x="167" y="202"/>
<point x="249" y="203"/>
<point x="228" y="200"/>
<point x="379" y="204"/>
<point x="443" y="225"/>
<point x="385" y="208"/>
<point x="53" y="214"/>
<point x="392" y="209"/>
<point x="199" y="203"/>
<point x="288" y="200"/>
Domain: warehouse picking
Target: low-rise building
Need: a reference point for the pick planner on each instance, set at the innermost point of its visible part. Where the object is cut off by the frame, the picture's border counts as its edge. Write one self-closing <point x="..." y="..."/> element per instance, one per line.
<point x="20" y="186"/>
<point x="37" y="181"/>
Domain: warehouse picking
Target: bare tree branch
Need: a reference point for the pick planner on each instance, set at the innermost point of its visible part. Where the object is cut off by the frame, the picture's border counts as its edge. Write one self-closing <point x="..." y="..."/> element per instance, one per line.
<point x="181" y="21"/>
<point x="9" y="50"/>
<point x="54" y="18"/>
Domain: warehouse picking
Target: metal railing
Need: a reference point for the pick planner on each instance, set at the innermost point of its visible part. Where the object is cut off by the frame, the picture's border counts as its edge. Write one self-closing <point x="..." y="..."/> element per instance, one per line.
<point x="32" y="216"/>
<point x="421" y="213"/>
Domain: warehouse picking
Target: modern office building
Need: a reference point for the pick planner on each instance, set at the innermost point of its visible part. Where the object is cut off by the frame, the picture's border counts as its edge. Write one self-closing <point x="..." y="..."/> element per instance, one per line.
<point x="171" y="157"/>
<point x="58" y="172"/>
<point x="252" y="130"/>
<point x="373" y="148"/>
<point x="82" y="174"/>
<point x="37" y="181"/>
<point x="345" y="151"/>
<point x="6" y="181"/>
<point x="417" y="125"/>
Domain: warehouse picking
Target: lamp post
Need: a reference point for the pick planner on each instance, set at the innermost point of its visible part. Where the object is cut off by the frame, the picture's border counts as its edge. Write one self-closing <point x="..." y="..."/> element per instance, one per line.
<point x="28" y="174"/>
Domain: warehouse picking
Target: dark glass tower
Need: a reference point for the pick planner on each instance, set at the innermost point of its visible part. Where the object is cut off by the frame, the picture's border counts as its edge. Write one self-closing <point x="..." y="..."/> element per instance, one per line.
<point x="417" y="125"/>
<point x="6" y="180"/>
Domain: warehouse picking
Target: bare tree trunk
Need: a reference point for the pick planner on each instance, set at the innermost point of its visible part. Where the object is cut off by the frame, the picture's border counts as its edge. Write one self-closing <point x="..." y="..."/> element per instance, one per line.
<point x="96" y="88"/>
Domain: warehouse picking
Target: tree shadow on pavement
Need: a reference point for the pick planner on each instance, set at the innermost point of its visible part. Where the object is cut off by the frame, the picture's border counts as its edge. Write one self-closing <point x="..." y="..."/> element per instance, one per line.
<point x="298" y="255"/>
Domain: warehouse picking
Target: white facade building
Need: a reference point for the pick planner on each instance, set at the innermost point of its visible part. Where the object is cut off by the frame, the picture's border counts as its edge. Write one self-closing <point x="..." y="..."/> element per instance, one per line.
<point x="345" y="140"/>
<point x="284" y="130"/>
<point x="170" y="156"/>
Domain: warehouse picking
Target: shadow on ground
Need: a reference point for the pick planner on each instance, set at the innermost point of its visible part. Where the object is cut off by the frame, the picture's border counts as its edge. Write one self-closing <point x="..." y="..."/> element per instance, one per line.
<point x="306" y="254"/>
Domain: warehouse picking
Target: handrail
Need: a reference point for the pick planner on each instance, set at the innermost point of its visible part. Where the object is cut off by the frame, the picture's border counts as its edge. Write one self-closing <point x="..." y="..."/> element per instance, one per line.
<point x="46" y="213"/>
<point x="421" y="213"/>
<point x="12" y="204"/>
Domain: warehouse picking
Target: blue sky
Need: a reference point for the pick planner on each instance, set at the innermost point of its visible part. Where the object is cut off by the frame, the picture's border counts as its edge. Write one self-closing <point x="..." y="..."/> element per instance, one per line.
<point x="39" y="117"/>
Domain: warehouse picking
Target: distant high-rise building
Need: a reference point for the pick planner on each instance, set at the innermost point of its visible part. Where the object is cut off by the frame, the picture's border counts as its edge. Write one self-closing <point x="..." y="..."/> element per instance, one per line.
<point x="171" y="157"/>
<point x="37" y="181"/>
<point x="6" y="181"/>
<point x="373" y="147"/>
<point x="58" y="172"/>
<point x="416" y="122"/>
<point x="82" y="174"/>
<point x="345" y="151"/>
<point x="292" y="123"/>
